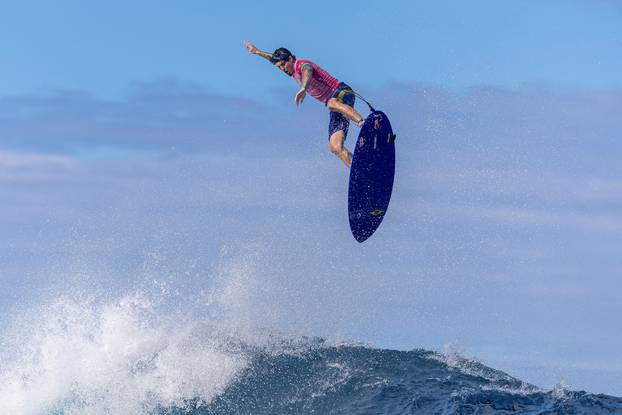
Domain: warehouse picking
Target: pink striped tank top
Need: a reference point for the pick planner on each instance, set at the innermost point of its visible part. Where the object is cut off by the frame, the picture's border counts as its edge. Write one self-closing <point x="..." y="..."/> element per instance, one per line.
<point x="322" y="84"/>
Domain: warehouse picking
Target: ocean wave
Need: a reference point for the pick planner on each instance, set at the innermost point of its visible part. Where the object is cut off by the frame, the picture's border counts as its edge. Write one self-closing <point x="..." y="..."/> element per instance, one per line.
<point x="158" y="352"/>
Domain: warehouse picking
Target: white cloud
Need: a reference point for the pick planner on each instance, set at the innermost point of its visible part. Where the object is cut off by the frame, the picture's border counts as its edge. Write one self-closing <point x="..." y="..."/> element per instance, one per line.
<point x="15" y="159"/>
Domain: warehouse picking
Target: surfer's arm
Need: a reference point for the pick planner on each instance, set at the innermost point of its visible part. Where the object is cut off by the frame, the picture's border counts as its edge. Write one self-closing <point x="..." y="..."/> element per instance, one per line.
<point x="307" y="73"/>
<point x="253" y="49"/>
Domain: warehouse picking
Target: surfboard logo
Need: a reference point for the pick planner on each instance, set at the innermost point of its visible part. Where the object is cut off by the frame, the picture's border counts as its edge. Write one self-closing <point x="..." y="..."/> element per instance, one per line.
<point x="377" y="212"/>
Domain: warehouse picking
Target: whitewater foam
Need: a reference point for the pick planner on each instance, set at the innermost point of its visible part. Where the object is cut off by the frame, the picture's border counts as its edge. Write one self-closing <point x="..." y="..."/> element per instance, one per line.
<point x="92" y="357"/>
<point x="162" y="343"/>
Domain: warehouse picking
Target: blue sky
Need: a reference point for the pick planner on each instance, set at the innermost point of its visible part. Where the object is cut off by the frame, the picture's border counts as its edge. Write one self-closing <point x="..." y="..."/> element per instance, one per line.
<point x="450" y="43"/>
<point x="141" y="142"/>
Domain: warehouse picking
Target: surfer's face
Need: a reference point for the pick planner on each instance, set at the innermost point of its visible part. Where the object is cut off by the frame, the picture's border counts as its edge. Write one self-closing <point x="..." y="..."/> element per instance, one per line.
<point x="286" y="66"/>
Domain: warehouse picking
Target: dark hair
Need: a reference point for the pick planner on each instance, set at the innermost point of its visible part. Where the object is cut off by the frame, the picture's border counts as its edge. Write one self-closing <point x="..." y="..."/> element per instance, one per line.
<point x="281" y="54"/>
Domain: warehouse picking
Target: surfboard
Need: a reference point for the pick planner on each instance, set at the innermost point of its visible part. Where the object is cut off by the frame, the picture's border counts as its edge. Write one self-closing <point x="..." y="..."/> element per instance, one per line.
<point x="371" y="176"/>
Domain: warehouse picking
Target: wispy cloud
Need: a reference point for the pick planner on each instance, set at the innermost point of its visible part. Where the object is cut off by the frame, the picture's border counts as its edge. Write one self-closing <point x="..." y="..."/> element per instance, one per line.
<point x="14" y="159"/>
<point x="167" y="114"/>
<point x="154" y="117"/>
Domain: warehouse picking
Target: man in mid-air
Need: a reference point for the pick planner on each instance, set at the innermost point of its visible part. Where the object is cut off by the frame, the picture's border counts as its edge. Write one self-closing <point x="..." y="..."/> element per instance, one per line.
<point x="337" y="96"/>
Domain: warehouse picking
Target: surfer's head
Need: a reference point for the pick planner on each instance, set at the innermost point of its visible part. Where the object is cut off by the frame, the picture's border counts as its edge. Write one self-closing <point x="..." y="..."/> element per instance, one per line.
<point x="284" y="60"/>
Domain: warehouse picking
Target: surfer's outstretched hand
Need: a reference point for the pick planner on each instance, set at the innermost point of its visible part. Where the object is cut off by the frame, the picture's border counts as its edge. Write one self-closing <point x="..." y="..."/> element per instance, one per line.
<point x="251" y="48"/>
<point x="300" y="96"/>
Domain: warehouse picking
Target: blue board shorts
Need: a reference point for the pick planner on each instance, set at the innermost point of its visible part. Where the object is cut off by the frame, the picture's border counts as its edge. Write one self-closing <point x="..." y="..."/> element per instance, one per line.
<point x="338" y="121"/>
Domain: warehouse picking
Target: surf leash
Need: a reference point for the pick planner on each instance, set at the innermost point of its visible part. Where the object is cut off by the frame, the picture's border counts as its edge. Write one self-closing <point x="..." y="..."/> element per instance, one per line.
<point x="368" y="104"/>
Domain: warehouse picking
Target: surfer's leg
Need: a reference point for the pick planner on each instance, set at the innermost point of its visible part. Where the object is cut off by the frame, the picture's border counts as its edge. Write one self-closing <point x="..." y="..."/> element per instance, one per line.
<point x="336" y="141"/>
<point x="341" y="106"/>
<point x="348" y="111"/>
<point x="342" y="101"/>
<point x="337" y="132"/>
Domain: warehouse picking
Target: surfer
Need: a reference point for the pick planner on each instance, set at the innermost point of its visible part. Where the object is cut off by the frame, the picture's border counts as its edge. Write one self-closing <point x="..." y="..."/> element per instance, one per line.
<point x="337" y="96"/>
